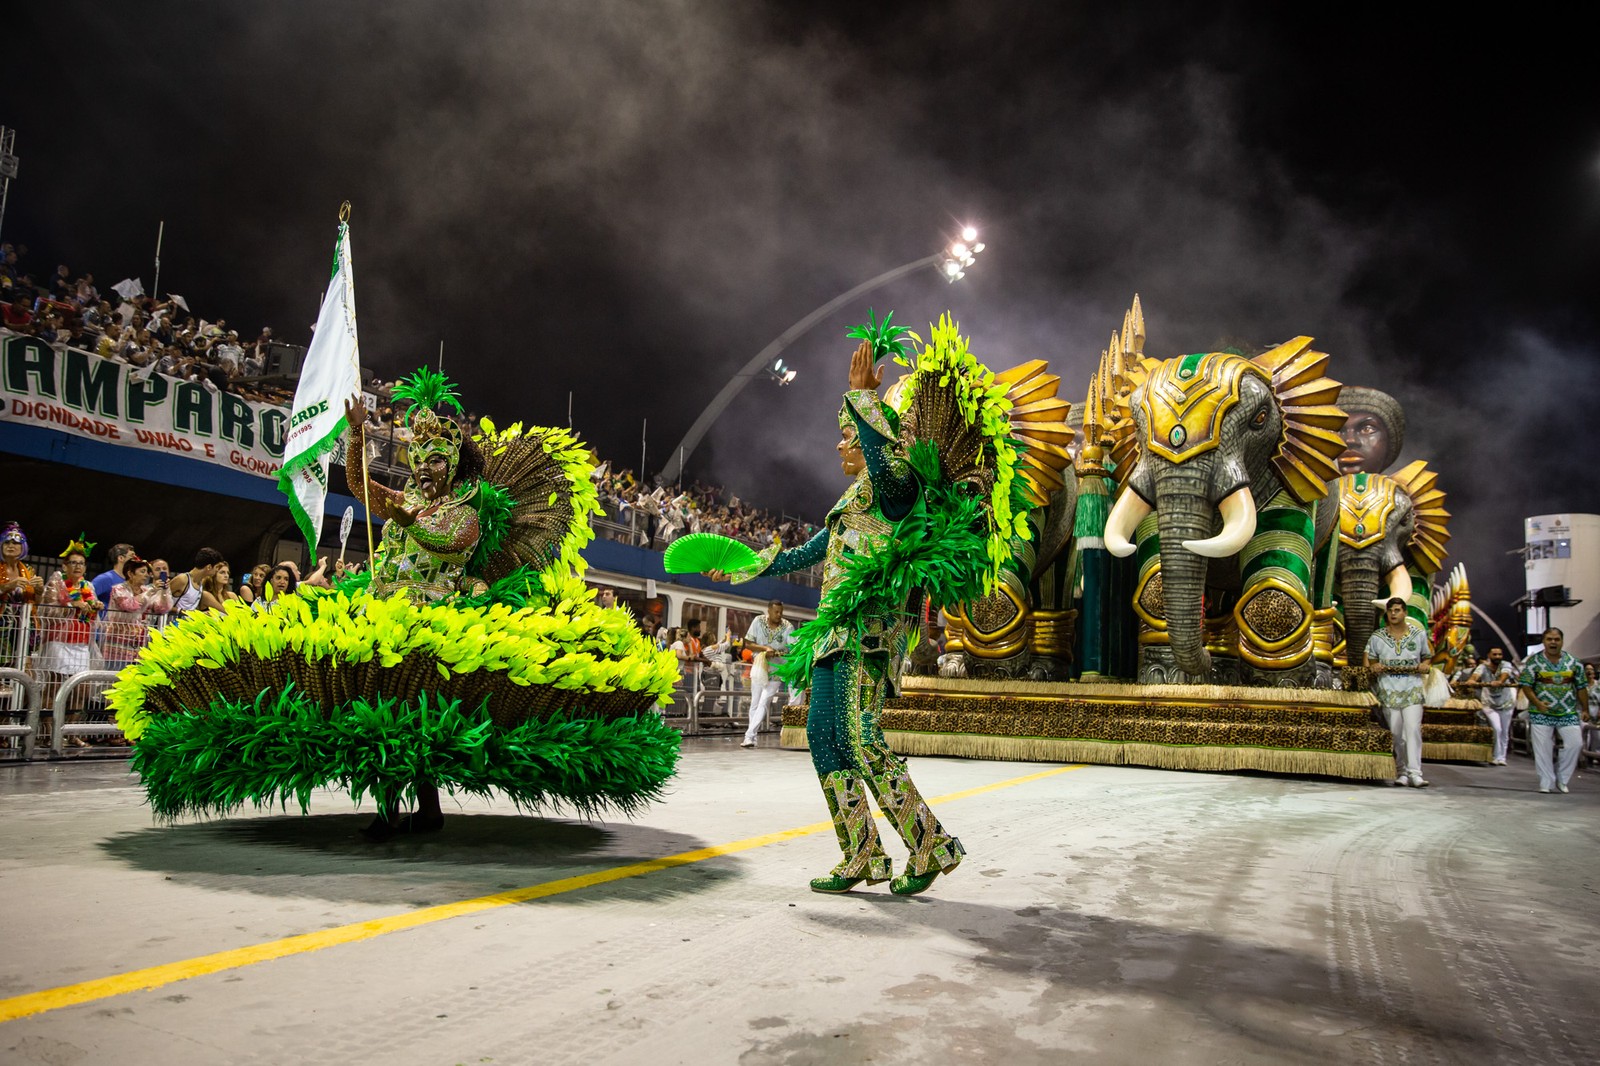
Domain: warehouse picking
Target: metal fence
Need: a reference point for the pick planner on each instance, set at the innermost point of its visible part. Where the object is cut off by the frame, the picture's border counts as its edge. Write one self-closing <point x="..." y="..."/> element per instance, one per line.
<point x="55" y="665"/>
<point x="712" y="698"/>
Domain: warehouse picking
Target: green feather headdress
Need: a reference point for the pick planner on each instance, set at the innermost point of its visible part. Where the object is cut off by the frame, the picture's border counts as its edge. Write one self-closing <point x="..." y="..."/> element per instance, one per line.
<point x="428" y="391"/>
<point x="887" y="340"/>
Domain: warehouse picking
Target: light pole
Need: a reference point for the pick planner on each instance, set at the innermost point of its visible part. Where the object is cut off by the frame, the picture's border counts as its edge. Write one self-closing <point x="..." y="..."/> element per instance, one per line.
<point x="952" y="261"/>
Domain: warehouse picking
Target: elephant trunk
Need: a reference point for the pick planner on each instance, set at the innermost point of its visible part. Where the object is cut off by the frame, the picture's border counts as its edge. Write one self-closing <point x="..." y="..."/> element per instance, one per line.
<point x="1358" y="587"/>
<point x="1185" y="513"/>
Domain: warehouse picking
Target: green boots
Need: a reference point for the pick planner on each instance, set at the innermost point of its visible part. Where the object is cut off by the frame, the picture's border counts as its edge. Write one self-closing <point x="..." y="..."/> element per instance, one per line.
<point x="911" y="884"/>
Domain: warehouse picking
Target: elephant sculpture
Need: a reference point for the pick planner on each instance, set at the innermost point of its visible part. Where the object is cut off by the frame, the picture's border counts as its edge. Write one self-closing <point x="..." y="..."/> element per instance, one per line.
<point x="1025" y="627"/>
<point x="1223" y="460"/>
<point x="1392" y="533"/>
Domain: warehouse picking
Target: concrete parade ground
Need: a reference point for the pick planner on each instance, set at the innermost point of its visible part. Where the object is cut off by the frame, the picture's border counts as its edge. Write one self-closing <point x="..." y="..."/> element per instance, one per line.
<point x="1103" y="914"/>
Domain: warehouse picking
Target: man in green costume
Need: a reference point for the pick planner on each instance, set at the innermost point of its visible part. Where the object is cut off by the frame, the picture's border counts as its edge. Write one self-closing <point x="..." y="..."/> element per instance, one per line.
<point x="853" y="669"/>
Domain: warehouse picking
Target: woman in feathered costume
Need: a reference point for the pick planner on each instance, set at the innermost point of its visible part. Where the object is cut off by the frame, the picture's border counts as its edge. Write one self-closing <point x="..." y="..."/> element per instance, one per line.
<point x="431" y="530"/>
<point x="472" y="658"/>
<point x="432" y="527"/>
<point x="932" y="509"/>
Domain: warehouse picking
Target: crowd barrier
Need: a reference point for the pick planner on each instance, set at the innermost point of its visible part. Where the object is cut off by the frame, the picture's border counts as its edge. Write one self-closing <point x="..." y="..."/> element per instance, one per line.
<point x="55" y="665"/>
<point x="699" y="709"/>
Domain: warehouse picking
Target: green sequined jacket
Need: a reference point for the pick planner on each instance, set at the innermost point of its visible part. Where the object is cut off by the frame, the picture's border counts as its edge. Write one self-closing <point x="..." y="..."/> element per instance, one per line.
<point x="427" y="559"/>
<point x="864" y="517"/>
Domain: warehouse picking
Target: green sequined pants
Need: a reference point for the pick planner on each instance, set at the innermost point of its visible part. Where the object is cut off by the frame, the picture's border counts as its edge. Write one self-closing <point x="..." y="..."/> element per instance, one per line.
<point x="853" y="759"/>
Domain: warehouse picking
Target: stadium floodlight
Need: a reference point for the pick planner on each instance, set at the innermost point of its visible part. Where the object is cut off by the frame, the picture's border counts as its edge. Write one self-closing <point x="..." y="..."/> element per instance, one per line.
<point x="961" y="254"/>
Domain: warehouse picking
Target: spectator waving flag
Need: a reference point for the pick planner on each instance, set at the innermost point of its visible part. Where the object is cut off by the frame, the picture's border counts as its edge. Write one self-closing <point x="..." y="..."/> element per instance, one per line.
<point x="331" y="374"/>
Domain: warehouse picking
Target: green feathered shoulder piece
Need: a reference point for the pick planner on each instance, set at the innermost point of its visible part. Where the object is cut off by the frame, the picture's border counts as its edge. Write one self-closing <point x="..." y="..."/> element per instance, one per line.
<point x="952" y="403"/>
<point x="538" y="500"/>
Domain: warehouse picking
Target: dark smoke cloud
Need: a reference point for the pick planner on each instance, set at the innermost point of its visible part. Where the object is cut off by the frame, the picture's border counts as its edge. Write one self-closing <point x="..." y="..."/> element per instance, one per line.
<point x="627" y="201"/>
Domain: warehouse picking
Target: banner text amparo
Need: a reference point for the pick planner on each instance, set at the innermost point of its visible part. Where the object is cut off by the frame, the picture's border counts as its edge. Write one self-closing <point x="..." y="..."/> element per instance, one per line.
<point x="90" y="396"/>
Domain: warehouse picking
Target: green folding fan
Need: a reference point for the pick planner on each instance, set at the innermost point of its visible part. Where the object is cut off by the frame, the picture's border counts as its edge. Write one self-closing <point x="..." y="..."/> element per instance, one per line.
<point x="695" y="553"/>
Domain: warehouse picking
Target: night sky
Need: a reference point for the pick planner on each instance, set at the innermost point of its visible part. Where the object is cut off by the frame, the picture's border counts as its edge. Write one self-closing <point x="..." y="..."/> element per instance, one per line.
<point x="628" y="200"/>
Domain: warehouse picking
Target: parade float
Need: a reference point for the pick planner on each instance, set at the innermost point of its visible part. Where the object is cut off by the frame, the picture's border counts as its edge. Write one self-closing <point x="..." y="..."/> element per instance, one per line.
<point x="1199" y="554"/>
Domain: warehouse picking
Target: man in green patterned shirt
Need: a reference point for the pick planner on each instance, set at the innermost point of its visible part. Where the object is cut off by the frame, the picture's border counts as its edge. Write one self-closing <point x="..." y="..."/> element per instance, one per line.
<point x="1558" y="701"/>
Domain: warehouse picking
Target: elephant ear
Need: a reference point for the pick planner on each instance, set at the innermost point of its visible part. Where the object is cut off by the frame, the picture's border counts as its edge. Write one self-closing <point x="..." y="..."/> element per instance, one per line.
<point x="1039" y="421"/>
<point x="1426" y="548"/>
<point x="1307" y="456"/>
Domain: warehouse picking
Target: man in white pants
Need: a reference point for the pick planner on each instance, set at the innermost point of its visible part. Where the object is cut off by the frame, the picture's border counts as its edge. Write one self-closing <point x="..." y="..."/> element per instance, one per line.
<point x="1558" y="701"/>
<point x="768" y="633"/>
<point x="1496" y="685"/>
<point x="1397" y="654"/>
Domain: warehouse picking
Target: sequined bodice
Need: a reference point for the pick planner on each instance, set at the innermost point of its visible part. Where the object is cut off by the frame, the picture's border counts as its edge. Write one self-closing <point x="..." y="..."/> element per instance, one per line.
<point x="855" y="526"/>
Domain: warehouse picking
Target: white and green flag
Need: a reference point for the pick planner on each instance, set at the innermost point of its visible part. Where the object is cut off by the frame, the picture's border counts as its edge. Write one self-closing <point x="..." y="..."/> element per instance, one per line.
<point x="330" y="376"/>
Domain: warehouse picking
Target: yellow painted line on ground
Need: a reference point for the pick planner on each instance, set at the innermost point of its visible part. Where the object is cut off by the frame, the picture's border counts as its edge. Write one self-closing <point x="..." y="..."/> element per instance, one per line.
<point x="168" y="973"/>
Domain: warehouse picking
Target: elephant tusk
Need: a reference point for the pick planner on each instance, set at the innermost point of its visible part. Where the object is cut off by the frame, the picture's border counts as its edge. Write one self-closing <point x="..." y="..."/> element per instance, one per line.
<point x="1126" y="514"/>
<point x="1238" y="526"/>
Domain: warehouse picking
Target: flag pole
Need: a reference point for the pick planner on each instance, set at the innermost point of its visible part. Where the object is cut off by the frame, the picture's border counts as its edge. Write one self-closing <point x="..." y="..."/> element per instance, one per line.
<point x="155" y="286"/>
<point x="329" y="379"/>
<point x="366" y="477"/>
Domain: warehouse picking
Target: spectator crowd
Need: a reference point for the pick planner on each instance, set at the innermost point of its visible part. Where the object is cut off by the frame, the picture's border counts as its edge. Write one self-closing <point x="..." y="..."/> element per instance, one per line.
<point x="157" y="334"/>
<point x="659" y="515"/>
<point x="162" y="335"/>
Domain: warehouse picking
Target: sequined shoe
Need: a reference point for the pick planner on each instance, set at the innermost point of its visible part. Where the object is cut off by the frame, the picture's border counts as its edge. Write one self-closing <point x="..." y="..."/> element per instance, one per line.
<point x="834" y="884"/>
<point x="912" y="884"/>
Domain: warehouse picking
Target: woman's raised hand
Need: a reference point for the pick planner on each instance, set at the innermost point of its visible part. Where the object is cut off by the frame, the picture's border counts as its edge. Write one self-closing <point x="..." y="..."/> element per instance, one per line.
<point x="863" y="375"/>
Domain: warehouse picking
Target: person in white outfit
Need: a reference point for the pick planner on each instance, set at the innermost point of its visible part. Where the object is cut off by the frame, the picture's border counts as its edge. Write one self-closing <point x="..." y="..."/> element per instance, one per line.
<point x="1558" y="702"/>
<point x="772" y="634"/>
<point x="1397" y="653"/>
<point x="1495" y="682"/>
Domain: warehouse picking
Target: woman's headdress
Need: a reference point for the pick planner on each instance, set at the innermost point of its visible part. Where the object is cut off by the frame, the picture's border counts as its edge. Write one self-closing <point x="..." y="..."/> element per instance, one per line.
<point x="432" y="433"/>
<point x="81" y="544"/>
<point x="13" y="534"/>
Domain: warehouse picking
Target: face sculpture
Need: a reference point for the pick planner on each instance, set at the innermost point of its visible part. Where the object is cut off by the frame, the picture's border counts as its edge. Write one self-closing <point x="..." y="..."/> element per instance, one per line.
<point x="1374" y="430"/>
<point x="1366" y="445"/>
